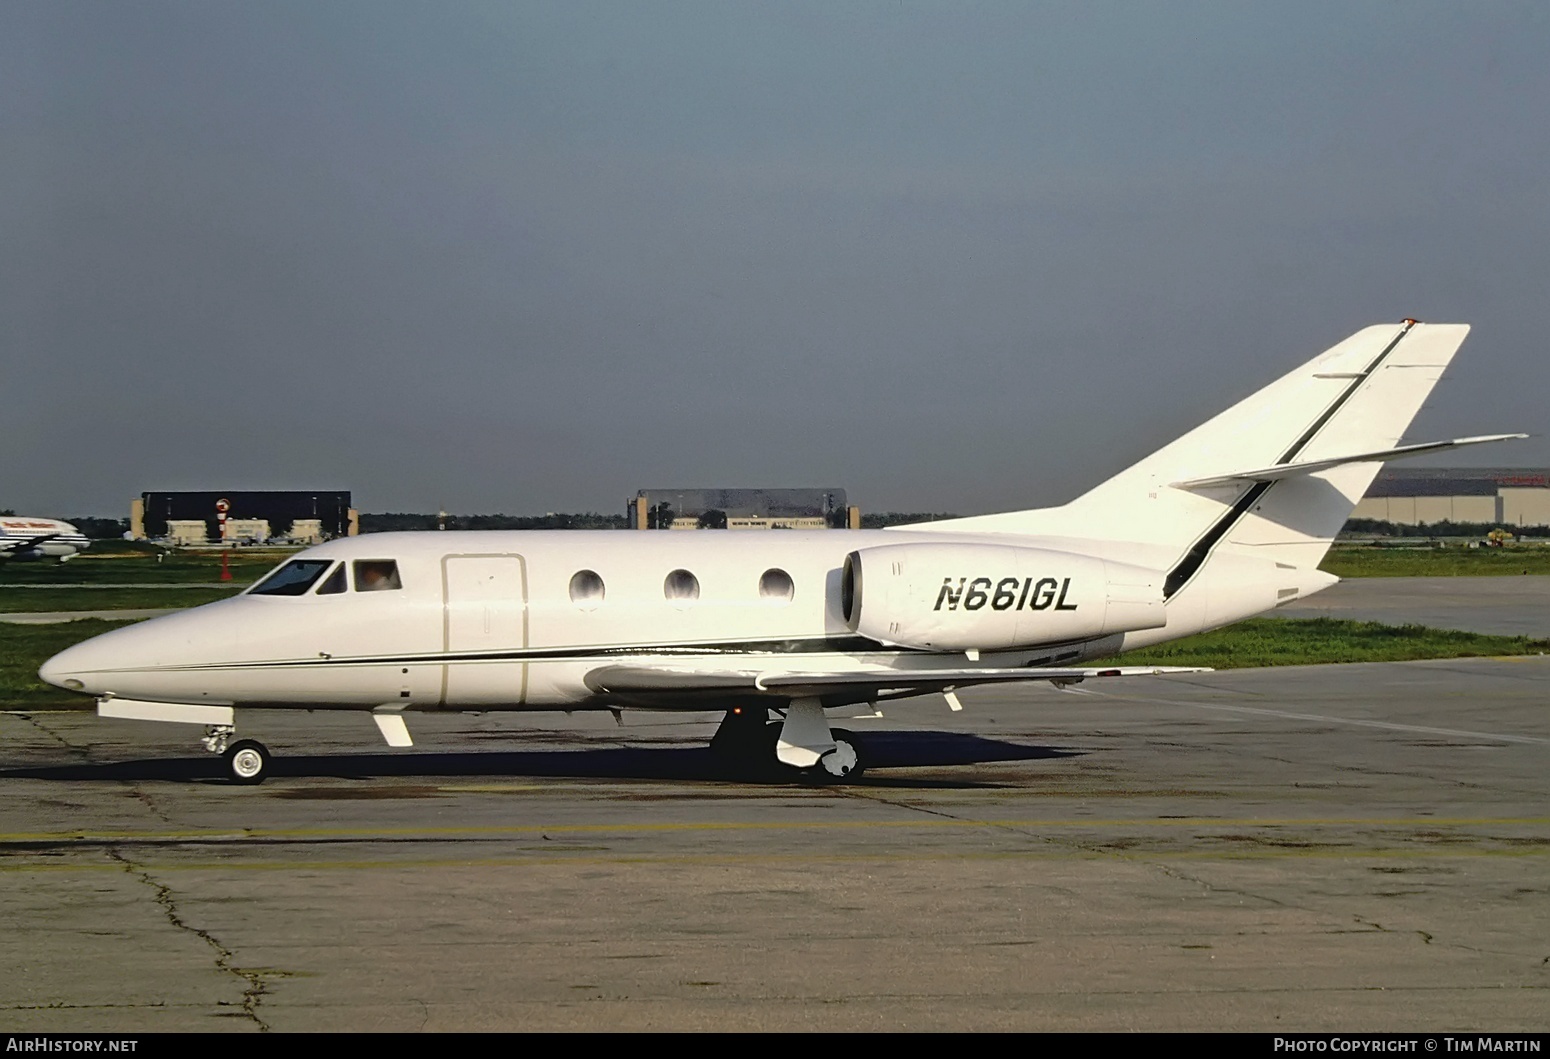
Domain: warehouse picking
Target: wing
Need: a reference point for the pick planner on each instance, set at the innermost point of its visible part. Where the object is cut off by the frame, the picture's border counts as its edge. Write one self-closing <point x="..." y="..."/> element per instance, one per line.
<point x="28" y="545"/>
<point x="690" y="688"/>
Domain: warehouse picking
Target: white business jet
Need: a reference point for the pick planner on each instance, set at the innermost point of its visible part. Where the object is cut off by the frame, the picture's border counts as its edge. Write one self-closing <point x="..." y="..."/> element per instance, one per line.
<point x="1228" y="521"/>
<point x="24" y="538"/>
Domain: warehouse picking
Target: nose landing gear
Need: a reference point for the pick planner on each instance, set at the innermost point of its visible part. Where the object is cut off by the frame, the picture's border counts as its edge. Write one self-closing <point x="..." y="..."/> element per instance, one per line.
<point x="246" y="760"/>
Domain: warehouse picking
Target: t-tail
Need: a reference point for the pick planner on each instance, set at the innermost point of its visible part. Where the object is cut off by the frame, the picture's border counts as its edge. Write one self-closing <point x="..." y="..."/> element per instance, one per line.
<point x="1274" y="477"/>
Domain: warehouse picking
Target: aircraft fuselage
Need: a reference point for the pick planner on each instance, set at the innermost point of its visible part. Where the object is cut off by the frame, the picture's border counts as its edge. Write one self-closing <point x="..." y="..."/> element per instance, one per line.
<point x="511" y="619"/>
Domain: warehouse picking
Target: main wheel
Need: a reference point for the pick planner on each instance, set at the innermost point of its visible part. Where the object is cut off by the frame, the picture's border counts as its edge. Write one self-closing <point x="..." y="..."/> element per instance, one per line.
<point x="246" y="761"/>
<point x="845" y="761"/>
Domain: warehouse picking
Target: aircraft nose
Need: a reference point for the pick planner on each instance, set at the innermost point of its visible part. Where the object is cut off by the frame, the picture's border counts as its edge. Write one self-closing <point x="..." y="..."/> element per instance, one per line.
<point x="64" y="670"/>
<point x="142" y="659"/>
<point x="98" y="665"/>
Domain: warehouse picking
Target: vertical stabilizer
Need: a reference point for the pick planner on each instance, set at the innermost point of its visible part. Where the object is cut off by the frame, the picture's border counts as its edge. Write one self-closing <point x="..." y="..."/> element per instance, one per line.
<point x="1295" y="520"/>
<point x="1358" y="397"/>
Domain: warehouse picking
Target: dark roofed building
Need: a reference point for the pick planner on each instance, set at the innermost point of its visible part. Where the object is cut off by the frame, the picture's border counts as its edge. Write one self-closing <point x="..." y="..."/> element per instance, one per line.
<point x="741" y="509"/>
<point x="306" y="514"/>
<point x="1419" y="496"/>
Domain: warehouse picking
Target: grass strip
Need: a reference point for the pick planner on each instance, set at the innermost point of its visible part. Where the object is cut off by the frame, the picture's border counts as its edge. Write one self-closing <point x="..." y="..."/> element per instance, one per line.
<point x="23" y="648"/>
<point x="150" y="597"/>
<point x="1374" y="561"/>
<point x="1320" y="641"/>
<point x="145" y="568"/>
<point x="119" y="564"/>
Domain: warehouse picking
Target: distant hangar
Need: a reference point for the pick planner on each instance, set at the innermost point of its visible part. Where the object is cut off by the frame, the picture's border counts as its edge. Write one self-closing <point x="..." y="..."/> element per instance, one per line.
<point x="1420" y="496"/>
<point x="742" y="509"/>
<point x="302" y="516"/>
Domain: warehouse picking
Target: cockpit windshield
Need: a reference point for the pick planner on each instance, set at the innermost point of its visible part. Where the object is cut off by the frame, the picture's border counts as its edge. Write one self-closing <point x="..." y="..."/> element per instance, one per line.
<point x="292" y="579"/>
<point x="334" y="583"/>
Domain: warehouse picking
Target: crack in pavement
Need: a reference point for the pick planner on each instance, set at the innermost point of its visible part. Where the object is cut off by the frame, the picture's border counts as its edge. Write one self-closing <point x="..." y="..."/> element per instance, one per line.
<point x="1151" y="860"/>
<point x="79" y="751"/>
<point x="84" y="753"/>
<point x="1427" y="938"/>
<point x="1212" y="888"/>
<point x="150" y="803"/>
<point x="254" y="983"/>
<point x="1147" y="859"/>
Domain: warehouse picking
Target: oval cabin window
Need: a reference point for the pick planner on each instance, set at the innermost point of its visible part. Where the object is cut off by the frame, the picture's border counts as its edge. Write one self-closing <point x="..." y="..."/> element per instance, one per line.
<point x="586" y="589"/>
<point x="681" y="587"/>
<point x="775" y="586"/>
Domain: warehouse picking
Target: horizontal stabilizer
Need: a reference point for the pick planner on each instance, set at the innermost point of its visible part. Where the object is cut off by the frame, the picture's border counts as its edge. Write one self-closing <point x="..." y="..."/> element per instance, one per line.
<point x="1293" y="470"/>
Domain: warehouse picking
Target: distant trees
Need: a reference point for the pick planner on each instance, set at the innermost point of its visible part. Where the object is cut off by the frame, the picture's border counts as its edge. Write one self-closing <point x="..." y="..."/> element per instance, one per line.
<point x="100" y="529"/>
<point x="389" y="522"/>
<point x="900" y="518"/>
<point x="1370" y="527"/>
<point x="659" y="516"/>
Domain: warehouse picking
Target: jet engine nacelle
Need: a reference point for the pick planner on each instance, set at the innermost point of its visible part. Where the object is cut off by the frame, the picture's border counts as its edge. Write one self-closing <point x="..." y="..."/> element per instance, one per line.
<point x="987" y="597"/>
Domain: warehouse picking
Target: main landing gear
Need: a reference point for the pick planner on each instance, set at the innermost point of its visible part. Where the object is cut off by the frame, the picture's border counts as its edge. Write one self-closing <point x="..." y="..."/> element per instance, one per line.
<point x="802" y="746"/>
<point x="246" y="760"/>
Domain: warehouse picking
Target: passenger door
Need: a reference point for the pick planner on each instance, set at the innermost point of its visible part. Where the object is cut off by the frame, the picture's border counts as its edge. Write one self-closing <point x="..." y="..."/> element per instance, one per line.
<point x="484" y="617"/>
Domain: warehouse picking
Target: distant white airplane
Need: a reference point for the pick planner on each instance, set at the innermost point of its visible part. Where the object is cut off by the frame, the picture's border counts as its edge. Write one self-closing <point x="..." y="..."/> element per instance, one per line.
<point x="27" y="539"/>
<point x="1229" y="521"/>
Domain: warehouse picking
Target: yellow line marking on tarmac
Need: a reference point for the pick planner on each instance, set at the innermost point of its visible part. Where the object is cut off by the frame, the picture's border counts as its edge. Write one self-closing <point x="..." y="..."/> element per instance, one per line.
<point x="593" y="858"/>
<point x="493" y="788"/>
<point x="772" y="825"/>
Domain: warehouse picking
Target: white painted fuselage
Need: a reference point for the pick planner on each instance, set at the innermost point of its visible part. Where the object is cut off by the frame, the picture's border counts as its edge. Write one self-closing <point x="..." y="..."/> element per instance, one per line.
<point x="486" y="620"/>
<point x="26" y="538"/>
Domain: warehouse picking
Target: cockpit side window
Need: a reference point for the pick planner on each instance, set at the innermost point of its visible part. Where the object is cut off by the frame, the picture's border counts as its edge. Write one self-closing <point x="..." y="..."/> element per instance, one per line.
<point x="292" y="579"/>
<point x="376" y="575"/>
<point x="334" y="583"/>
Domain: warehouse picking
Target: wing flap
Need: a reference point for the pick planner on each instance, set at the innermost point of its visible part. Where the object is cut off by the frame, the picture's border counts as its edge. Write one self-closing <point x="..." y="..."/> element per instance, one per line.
<point x="651" y="681"/>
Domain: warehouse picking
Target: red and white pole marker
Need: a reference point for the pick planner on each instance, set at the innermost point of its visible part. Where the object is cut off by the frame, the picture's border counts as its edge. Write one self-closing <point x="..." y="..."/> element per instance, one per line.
<point x="221" y="507"/>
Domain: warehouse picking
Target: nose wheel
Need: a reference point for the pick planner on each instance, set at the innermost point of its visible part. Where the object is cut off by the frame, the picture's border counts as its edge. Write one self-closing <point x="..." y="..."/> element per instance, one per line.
<point x="247" y="761"/>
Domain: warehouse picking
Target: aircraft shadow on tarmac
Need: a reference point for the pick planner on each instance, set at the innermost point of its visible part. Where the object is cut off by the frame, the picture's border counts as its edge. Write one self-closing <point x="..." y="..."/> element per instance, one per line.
<point x="887" y="750"/>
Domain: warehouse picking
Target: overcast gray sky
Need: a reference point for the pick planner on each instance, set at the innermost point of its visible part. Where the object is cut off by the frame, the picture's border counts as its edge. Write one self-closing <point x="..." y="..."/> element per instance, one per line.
<point x="530" y="257"/>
